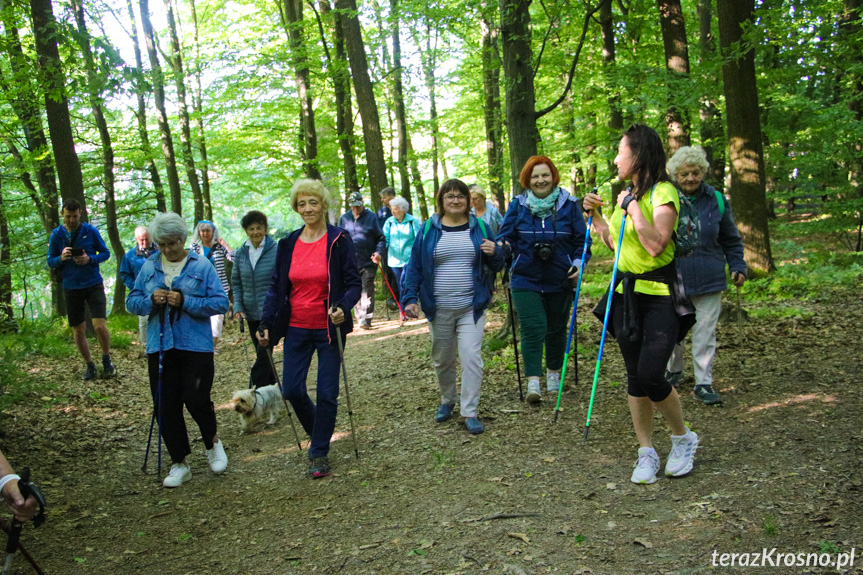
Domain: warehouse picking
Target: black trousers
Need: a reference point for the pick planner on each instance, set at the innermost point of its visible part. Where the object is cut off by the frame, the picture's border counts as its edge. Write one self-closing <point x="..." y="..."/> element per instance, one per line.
<point x="187" y="378"/>
<point x="262" y="372"/>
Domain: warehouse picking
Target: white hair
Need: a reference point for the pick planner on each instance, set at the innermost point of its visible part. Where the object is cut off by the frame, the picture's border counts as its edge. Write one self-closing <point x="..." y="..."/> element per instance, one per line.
<point x="168" y="227"/>
<point x="196" y="236"/>
<point x="687" y="156"/>
<point x="140" y="230"/>
<point x="400" y="203"/>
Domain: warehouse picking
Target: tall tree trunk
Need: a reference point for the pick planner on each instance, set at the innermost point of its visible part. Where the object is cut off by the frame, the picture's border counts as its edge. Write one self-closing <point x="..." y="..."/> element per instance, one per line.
<point x="198" y="106"/>
<point x="185" y="123"/>
<point x="94" y="93"/>
<point x="399" y="102"/>
<point x="375" y="162"/>
<point x="56" y="105"/>
<point x="158" y="80"/>
<point x="7" y="314"/>
<point x="850" y="27"/>
<point x="293" y="23"/>
<point x="615" y="116"/>
<point x="418" y="182"/>
<point x="744" y="133"/>
<point x="712" y="132"/>
<point x="428" y="60"/>
<point x="518" y="75"/>
<point x="342" y="89"/>
<point x="677" y="66"/>
<point x="491" y="103"/>
<point x="141" y="113"/>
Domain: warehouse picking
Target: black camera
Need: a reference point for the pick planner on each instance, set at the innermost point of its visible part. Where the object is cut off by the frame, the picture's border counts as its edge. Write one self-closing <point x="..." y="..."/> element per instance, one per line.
<point x="77" y="252"/>
<point x="543" y="250"/>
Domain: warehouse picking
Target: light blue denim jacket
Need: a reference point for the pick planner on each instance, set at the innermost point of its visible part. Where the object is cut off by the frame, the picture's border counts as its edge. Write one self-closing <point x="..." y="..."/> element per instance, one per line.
<point x="203" y="296"/>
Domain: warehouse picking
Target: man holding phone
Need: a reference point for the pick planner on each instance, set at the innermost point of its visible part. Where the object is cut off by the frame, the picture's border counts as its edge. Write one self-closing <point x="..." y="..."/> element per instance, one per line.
<point x="76" y="249"/>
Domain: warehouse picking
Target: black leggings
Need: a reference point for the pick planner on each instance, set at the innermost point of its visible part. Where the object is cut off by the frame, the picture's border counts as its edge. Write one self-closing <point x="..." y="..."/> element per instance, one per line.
<point x="646" y="359"/>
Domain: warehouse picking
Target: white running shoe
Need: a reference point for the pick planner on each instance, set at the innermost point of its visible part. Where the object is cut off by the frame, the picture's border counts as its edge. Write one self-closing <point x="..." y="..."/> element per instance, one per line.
<point x="646" y="467"/>
<point x="682" y="454"/>
<point x="552" y="382"/>
<point x="533" y="394"/>
<point x="179" y="474"/>
<point x="217" y="457"/>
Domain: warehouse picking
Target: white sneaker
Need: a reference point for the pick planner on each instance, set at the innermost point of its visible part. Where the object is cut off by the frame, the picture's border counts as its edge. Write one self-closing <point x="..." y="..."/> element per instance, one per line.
<point x="552" y="382"/>
<point x="682" y="454"/>
<point x="646" y="467"/>
<point x="217" y="457"/>
<point x="533" y="394"/>
<point x="179" y="474"/>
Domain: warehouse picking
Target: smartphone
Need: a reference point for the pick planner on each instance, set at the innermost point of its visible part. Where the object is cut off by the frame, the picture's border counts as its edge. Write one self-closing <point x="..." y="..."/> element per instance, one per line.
<point x="77" y="252"/>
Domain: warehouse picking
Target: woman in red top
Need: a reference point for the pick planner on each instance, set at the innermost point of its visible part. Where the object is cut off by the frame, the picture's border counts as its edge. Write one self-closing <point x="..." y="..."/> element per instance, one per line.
<point x="315" y="284"/>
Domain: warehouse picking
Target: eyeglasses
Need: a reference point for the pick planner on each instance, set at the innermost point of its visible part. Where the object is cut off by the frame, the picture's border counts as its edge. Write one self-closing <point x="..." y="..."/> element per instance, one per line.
<point x="163" y="246"/>
<point x="455" y="197"/>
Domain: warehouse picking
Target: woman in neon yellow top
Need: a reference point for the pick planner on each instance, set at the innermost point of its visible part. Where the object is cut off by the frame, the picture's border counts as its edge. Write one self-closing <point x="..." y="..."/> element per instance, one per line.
<point x="643" y="312"/>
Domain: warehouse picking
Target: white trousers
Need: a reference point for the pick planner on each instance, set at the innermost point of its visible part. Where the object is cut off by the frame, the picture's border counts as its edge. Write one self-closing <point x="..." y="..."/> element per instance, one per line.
<point x="216" y="324"/>
<point x="142" y="329"/>
<point x="454" y="330"/>
<point x="707" y="309"/>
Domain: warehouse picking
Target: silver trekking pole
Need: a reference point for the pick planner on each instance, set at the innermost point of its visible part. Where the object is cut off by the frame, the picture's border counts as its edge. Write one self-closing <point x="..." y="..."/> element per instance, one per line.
<point x="347" y="391"/>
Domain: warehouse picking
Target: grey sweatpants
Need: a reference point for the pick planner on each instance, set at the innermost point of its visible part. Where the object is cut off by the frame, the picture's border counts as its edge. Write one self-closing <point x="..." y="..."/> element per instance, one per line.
<point x="365" y="308"/>
<point x="454" y="330"/>
<point x="707" y="310"/>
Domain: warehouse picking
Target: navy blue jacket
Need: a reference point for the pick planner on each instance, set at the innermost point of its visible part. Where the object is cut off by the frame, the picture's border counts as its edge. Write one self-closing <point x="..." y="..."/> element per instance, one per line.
<point x="131" y="265"/>
<point x="384" y="213"/>
<point x="565" y="228"/>
<point x="367" y="235"/>
<point x="703" y="271"/>
<point x="343" y="278"/>
<point x="75" y="276"/>
<point x="420" y="272"/>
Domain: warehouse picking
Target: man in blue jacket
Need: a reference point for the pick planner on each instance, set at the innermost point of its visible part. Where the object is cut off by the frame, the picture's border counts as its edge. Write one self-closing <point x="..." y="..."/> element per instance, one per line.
<point x="131" y="265"/>
<point x="76" y="249"/>
<point x="365" y="230"/>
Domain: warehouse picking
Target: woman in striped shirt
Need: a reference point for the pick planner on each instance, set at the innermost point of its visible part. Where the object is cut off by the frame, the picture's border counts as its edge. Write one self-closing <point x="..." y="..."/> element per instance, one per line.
<point x="446" y="274"/>
<point x="206" y="242"/>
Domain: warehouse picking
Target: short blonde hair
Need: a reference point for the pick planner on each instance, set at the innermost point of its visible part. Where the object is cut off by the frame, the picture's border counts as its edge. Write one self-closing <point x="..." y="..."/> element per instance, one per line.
<point x="310" y="188"/>
<point x="687" y="156"/>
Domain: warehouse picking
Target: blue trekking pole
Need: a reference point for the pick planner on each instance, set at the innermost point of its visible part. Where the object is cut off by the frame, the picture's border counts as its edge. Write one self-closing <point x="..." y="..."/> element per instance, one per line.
<point x="587" y="242"/>
<point x="605" y="324"/>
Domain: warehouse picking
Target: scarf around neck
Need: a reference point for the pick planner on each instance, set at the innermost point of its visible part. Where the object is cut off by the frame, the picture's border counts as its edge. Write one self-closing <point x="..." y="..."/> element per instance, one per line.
<point x="542" y="207"/>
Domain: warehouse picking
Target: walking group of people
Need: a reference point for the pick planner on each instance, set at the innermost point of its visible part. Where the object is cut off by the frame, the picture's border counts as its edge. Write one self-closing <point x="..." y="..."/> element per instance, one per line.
<point x="301" y="290"/>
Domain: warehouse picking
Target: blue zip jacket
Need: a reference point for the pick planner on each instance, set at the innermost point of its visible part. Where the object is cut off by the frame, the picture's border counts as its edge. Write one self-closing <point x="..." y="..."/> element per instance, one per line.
<point x="131" y="265"/>
<point x="400" y="238"/>
<point x="203" y="297"/>
<point x="343" y="278"/>
<point x="565" y="228"/>
<point x="251" y="285"/>
<point x="703" y="271"/>
<point x="420" y="272"/>
<point x="366" y="234"/>
<point x="75" y="276"/>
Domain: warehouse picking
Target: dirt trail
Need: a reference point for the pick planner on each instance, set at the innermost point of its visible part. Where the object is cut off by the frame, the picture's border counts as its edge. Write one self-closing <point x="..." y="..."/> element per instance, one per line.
<point x="779" y="466"/>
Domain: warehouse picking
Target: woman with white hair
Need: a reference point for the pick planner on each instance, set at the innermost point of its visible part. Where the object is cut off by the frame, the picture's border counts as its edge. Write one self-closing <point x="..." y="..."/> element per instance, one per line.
<point x="314" y="286"/>
<point x="703" y="273"/>
<point x="206" y="242"/>
<point x="179" y="291"/>
<point x="400" y="230"/>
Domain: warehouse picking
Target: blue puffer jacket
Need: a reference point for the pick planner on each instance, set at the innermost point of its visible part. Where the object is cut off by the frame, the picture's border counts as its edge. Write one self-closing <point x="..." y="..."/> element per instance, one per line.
<point x="345" y="285"/>
<point x="704" y="271"/>
<point x="88" y="237"/>
<point x="565" y="228"/>
<point x="420" y="272"/>
<point x="251" y="285"/>
<point x="203" y="296"/>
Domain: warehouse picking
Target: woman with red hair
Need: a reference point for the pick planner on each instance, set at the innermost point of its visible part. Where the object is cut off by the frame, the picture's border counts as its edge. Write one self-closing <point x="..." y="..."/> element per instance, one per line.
<point x="544" y="229"/>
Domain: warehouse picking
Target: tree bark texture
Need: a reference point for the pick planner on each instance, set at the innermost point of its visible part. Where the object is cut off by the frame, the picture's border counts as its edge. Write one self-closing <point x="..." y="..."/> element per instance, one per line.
<point x="185" y="122"/>
<point x="677" y="67"/>
<point x="158" y="80"/>
<point x="7" y="314"/>
<point x="418" y="182"/>
<point x="491" y="102"/>
<point x="108" y="178"/>
<point x="56" y="105"/>
<point x="399" y="105"/>
<point x="850" y="26"/>
<point x="198" y="107"/>
<point x="748" y="195"/>
<point x="712" y="130"/>
<point x="428" y="57"/>
<point x="377" y="169"/>
<point x="518" y="77"/>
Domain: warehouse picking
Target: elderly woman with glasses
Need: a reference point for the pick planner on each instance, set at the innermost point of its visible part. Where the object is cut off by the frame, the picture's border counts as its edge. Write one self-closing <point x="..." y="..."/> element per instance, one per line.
<point x="400" y="231"/>
<point x="179" y="290"/>
<point x="446" y="273"/>
<point x="206" y="242"/>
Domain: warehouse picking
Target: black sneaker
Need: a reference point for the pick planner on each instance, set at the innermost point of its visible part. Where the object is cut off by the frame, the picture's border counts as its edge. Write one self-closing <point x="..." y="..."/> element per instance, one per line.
<point x="91" y="372"/>
<point x="319" y="467"/>
<point x="108" y="368"/>
<point x="706" y="394"/>
<point x="673" y="378"/>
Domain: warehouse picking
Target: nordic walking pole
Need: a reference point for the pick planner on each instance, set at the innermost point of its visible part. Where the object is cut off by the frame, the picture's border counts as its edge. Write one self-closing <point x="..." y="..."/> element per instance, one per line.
<point x="282" y="393"/>
<point x="587" y="242"/>
<point x="158" y="389"/>
<point x="27" y="489"/>
<point x="512" y="323"/>
<point x="739" y="313"/>
<point x="392" y="293"/>
<point x="605" y="325"/>
<point x="245" y="345"/>
<point x="347" y="391"/>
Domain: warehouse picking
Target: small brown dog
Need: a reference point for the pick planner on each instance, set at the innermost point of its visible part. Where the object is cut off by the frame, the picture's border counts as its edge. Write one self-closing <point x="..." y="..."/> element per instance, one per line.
<point x="255" y="405"/>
